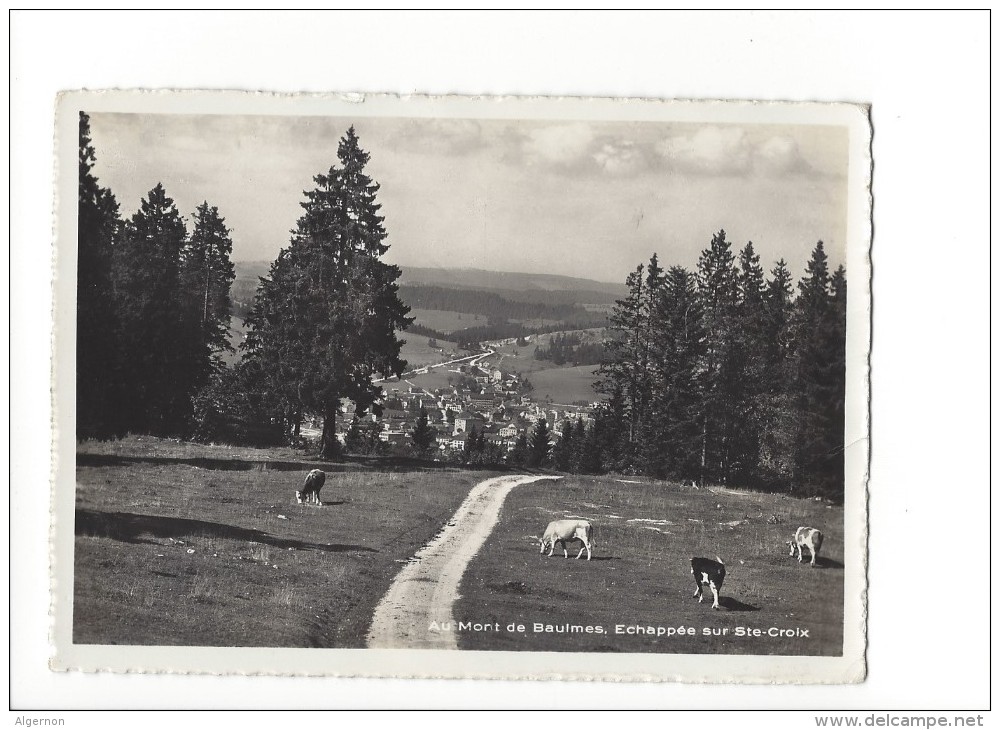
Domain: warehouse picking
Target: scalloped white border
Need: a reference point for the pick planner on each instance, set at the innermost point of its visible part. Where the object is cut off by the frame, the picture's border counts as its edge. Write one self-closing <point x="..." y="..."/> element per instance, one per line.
<point x="437" y="664"/>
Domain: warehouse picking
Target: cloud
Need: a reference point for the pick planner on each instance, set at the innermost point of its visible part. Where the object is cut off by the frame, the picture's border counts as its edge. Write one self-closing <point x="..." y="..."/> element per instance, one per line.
<point x="566" y="145"/>
<point x="732" y="151"/>
<point x="780" y="155"/>
<point x="622" y="158"/>
<point x="711" y="150"/>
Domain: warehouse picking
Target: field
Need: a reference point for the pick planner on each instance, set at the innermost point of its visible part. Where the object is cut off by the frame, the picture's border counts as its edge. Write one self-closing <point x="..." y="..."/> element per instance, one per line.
<point x="180" y="544"/>
<point x="565" y="385"/>
<point x="646" y="534"/>
<point x="418" y="354"/>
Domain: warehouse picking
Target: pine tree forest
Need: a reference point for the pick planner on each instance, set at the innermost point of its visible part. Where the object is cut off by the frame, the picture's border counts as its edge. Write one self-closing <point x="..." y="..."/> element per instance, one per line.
<point x="724" y="376"/>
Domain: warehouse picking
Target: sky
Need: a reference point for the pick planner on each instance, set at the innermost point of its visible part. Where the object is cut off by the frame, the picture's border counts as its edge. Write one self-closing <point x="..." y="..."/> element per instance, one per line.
<point x="576" y="198"/>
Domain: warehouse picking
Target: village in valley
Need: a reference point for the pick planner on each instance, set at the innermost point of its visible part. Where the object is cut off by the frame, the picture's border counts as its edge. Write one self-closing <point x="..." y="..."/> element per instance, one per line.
<point x="480" y="399"/>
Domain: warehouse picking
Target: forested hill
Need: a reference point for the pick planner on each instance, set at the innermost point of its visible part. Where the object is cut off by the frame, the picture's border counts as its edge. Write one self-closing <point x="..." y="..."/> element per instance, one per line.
<point x="506" y="281"/>
<point x="490" y="304"/>
<point x="495" y="294"/>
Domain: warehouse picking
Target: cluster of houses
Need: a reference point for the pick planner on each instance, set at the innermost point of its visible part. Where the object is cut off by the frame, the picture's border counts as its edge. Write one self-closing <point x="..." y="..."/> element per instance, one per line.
<point x="484" y="400"/>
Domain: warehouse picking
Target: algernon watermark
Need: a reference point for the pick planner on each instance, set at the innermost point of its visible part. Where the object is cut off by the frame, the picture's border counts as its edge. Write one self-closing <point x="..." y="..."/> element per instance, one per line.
<point x="25" y="721"/>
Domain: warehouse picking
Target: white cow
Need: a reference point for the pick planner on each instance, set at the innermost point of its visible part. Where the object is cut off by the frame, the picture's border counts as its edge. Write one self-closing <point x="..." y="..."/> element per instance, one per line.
<point x="563" y="531"/>
<point x="806" y="537"/>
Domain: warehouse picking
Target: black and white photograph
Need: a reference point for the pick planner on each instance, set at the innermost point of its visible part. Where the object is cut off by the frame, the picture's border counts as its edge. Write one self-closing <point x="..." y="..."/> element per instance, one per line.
<point x="483" y="360"/>
<point x="503" y="377"/>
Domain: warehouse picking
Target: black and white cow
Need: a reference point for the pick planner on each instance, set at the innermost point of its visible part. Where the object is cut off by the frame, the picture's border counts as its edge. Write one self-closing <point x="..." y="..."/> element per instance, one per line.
<point x="709" y="573"/>
<point x="310" y="489"/>
<point x="806" y="537"/>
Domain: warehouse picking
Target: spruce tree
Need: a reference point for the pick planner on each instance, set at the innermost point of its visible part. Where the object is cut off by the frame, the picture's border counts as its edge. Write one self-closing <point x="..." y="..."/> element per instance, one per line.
<point x="623" y="373"/>
<point x="518" y="456"/>
<point x="818" y="367"/>
<point x="562" y="452"/>
<point x="676" y="440"/>
<point x="472" y="444"/>
<point x="579" y="446"/>
<point x="422" y="434"/>
<point x="777" y="412"/>
<point x="718" y="292"/>
<point x="164" y="360"/>
<point x="98" y="394"/>
<point x="539" y="447"/>
<point x="208" y="275"/>
<point x="324" y="323"/>
<point x="749" y="372"/>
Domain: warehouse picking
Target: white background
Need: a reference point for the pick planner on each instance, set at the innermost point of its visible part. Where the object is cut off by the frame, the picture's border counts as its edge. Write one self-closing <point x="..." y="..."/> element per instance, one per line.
<point x="927" y="77"/>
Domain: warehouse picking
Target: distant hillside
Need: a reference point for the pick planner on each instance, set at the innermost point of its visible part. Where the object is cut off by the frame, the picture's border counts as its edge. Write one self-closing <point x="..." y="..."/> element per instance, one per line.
<point x="547" y="291"/>
<point x="505" y="280"/>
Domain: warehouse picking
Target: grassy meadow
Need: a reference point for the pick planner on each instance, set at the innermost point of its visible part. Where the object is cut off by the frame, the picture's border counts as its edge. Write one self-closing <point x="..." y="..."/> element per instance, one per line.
<point x="191" y="545"/>
<point x="183" y="544"/>
<point x="567" y="385"/>
<point x="646" y="532"/>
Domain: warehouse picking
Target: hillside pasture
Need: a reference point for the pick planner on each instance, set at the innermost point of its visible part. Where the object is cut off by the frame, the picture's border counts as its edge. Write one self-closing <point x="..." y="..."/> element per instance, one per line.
<point x="565" y="385"/>
<point x="419" y="354"/>
<point x="646" y="532"/>
<point x="446" y="321"/>
<point x="182" y="544"/>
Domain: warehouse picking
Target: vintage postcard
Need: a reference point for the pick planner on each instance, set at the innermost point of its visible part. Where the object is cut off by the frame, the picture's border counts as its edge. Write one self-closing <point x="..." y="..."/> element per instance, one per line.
<point x="549" y="388"/>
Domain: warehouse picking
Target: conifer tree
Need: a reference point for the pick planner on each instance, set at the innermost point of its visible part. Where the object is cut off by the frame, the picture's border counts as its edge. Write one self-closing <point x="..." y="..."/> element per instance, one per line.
<point x="423" y="434"/>
<point x="97" y="348"/>
<point x="324" y="322"/>
<point x="818" y="376"/>
<point x="675" y="445"/>
<point x="562" y="452"/>
<point x="749" y="372"/>
<point x="473" y="444"/>
<point x="539" y="447"/>
<point x="518" y="456"/>
<point x="579" y="445"/>
<point x="621" y="373"/>
<point x="777" y="413"/>
<point x="718" y="293"/>
<point x="164" y="360"/>
<point x="208" y="275"/>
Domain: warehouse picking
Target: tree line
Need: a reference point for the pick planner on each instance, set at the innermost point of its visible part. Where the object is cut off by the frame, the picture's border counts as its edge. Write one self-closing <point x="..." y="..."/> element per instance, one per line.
<point x="570" y="348"/>
<point x="153" y="307"/>
<point x="723" y="375"/>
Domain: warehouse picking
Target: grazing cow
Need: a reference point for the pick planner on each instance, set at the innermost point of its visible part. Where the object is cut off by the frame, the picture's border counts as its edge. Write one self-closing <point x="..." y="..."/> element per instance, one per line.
<point x="709" y="573"/>
<point x="563" y="531"/>
<point x="808" y="537"/>
<point x="310" y="489"/>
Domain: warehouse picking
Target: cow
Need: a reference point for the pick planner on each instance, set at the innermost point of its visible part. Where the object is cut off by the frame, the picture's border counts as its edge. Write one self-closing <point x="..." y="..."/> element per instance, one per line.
<point x="563" y="531"/>
<point x="709" y="573"/>
<point x="310" y="489"/>
<point x="808" y="537"/>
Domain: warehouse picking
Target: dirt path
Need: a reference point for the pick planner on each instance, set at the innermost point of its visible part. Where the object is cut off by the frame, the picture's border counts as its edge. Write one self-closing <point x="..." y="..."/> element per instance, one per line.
<point x="426" y="588"/>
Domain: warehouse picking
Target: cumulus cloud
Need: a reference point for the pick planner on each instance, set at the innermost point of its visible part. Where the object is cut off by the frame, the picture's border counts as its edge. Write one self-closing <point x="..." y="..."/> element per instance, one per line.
<point x="621" y="158"/>
<point x="732" y="151"/>
<point x="563" y="144"/>
<point x="710" y="150"/>
<point x="780" y="155"/>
